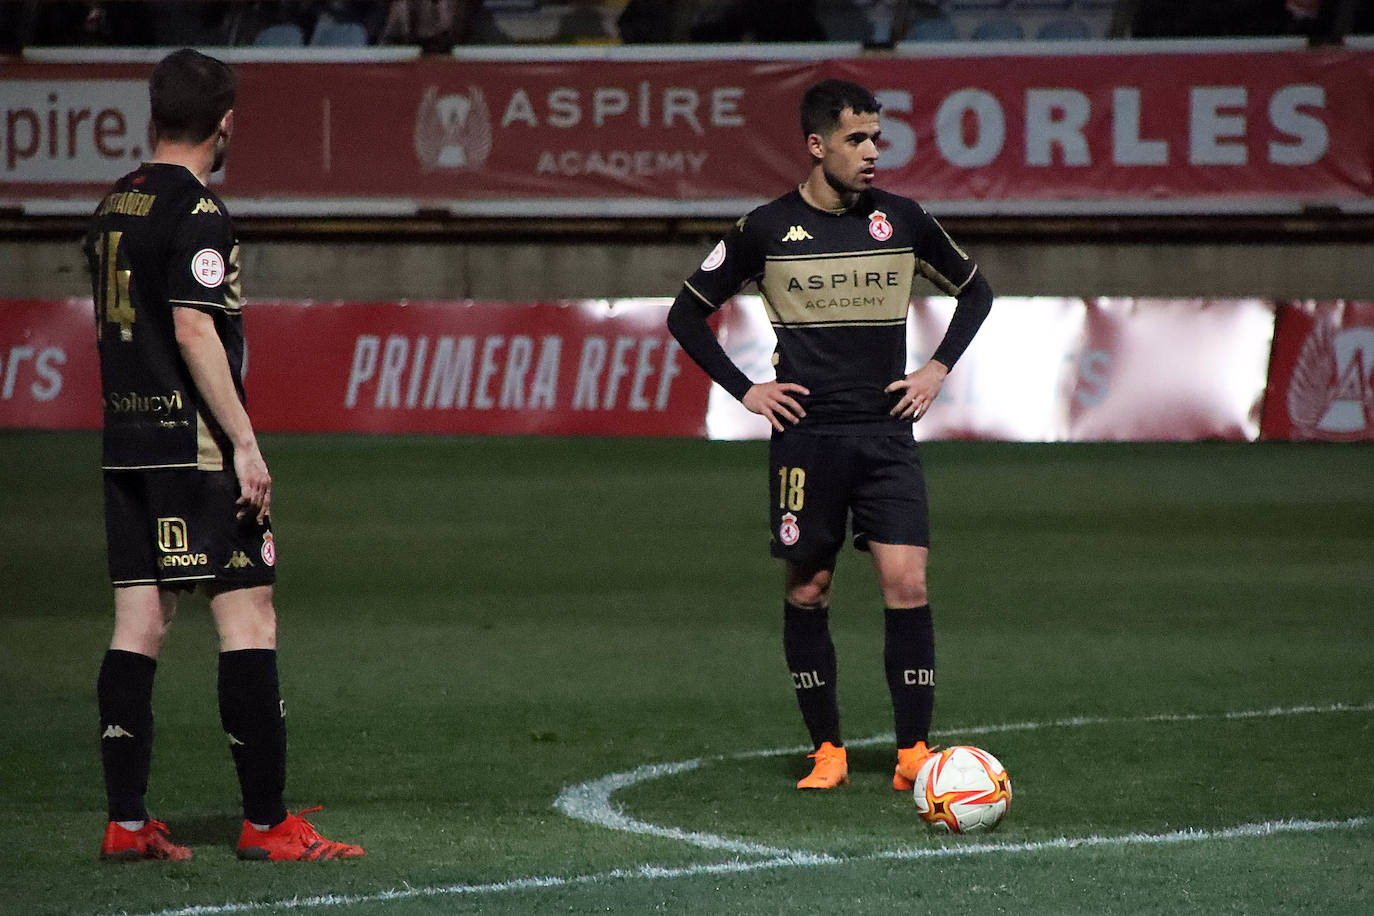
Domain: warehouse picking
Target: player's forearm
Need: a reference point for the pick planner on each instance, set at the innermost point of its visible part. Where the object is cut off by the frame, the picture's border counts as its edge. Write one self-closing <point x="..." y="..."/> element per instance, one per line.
<point x="205" y="358"/>
<point x="687" y="323"/>
<point x="974" y="304"/>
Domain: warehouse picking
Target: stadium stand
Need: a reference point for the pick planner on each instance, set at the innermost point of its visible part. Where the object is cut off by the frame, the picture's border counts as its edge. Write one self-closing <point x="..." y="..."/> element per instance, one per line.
<point x="998" y="28"/>
<point x="280" y="35"/>
<point x="933" y="29"/>
<point x="334" y="33"/>
<point x="437" y="26"/>
<point x="1060" y="29"/>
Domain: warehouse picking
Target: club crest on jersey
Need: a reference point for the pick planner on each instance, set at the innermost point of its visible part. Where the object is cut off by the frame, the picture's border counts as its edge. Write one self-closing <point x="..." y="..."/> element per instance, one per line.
<point x="269" y="549"/>
<point x="207" y="266"/>
<point x="716" y="257"/>
<point x="878" y="226"/>
<point x="789" y="532"/>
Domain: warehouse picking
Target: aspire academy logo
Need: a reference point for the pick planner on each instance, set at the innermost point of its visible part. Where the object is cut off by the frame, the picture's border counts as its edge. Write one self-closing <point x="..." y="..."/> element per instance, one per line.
<point x="453" y="131"/>
<point x="1331" y="392"/>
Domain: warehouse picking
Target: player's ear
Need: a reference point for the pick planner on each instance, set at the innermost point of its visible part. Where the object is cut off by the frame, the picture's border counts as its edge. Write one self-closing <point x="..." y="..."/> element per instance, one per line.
<point x="815" y="145"/>
<point x="226" y="124"/>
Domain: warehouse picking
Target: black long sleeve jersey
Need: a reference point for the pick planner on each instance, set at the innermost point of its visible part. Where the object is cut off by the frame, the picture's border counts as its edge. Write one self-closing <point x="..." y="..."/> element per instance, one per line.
<point x="837" y="287"/>
<point x="160" y="240"/>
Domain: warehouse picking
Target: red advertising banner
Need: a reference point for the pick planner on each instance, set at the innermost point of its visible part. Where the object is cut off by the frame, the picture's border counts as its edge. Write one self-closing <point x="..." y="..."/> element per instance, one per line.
<point x="1045" y="369"/>
<point x="1321" y="375"/>
<point x="1138" y="129"/>
<point x="606" y="368"/>
<point x="49" y="374"/>
<point x="1041" y="369"/>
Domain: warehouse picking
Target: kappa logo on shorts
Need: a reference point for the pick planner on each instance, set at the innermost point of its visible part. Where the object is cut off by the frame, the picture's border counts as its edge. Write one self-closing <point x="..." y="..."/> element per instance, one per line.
<point x="239" y="560"/>
<point x="878" y="226"/>
<point x="269" y="549"/>
<point x="789" y="532"/>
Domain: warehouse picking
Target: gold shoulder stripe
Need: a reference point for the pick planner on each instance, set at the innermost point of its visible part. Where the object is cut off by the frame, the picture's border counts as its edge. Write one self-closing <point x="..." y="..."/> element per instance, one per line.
<point x="695" y="292"/>
<point x="969" y="278"/>
<point x="942" y="283"/>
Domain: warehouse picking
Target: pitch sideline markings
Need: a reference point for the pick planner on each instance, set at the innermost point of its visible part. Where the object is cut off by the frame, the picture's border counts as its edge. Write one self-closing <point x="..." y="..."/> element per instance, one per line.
<point x="587" y="798"/>
<point x="649" y="872"/>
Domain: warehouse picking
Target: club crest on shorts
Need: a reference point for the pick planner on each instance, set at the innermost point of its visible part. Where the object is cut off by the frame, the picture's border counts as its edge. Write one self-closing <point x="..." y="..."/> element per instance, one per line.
<point x="789" y="531"/>
<point x="269" y="549"/>
<point x="878" y="226"/>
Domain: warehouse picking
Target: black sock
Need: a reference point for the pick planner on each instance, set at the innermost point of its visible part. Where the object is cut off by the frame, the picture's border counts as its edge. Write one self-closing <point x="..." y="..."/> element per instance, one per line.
<point x="909" y="657"/>
<point x="811" y="658"/>
<point x="124" y="694"/>
<point x="251" y="712"/>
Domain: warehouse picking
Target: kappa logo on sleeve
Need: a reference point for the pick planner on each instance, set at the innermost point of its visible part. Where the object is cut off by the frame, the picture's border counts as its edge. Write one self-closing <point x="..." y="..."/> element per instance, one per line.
<point x="715" y="258"/>
<point x="205" y="205"/>
<point x="207" y="266"/>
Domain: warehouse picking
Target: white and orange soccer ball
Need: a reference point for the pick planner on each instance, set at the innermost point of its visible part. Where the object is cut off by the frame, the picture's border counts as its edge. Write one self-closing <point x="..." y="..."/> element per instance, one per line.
<point x="962" y="789"/>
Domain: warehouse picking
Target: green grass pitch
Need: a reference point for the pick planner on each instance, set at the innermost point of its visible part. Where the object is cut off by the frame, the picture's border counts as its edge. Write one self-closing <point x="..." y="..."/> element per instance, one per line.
<point x="470" y="627"/>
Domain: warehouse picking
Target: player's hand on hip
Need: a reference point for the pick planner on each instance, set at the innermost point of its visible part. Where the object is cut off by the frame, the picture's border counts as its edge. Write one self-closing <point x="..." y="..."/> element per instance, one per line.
<point x="919" y="390"/>
<point x="774" y="401"/>
<point x="255" y="483"/>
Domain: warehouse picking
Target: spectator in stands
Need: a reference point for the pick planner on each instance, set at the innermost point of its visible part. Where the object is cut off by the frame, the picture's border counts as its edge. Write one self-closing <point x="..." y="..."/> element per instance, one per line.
<point x="64" y="24"/>
<point x="759" y="20"/>
<point x="1218" y="18"/>
<point x="437" y="25"/>
<point x="583" y="24"/>
<point x="648" y="22"/>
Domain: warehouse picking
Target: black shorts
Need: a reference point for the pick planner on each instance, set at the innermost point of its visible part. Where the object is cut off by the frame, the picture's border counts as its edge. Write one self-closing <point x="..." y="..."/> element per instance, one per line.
<point x="818" y="482"/>
<point x="176" y="528"/>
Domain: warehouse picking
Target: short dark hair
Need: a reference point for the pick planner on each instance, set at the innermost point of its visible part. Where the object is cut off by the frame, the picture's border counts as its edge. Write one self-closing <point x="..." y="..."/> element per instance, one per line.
<point x="822" y="104"/>
<point x="189" y="93"/>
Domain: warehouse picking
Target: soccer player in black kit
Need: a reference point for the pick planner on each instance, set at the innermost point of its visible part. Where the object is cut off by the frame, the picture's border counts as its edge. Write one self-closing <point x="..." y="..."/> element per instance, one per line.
<point x="835" y="260"/>
<point x="187" y="492"/>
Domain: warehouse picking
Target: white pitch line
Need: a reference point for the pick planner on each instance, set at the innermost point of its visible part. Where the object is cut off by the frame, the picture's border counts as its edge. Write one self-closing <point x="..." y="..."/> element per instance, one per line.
<point x="591" y="802"/>
<point x="954" y="850"/>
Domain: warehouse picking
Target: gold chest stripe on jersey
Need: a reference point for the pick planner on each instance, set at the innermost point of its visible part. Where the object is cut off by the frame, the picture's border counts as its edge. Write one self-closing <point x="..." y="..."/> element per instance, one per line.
<point x="890" y="323"/>
<point x="847" y="288"/>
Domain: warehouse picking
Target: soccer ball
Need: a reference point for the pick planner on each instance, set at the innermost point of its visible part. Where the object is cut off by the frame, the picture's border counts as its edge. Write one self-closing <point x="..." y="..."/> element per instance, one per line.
<point x="962" y="789"/>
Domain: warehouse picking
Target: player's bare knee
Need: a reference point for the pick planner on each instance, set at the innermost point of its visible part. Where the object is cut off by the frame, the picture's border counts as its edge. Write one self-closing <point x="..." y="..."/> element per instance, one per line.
<point x="245" y="618"/>
<point x="809" y="598"/>
<point x="808" y="587"/>
<point x="908" y="590"/>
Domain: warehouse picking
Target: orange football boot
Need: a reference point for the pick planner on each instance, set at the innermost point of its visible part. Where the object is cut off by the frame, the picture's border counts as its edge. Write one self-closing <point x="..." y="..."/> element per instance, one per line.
<point x="151" y="841"/>
<point x="293" y="840"/>
<point x="831" y="769"/>
<point x="909" y="760"/>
